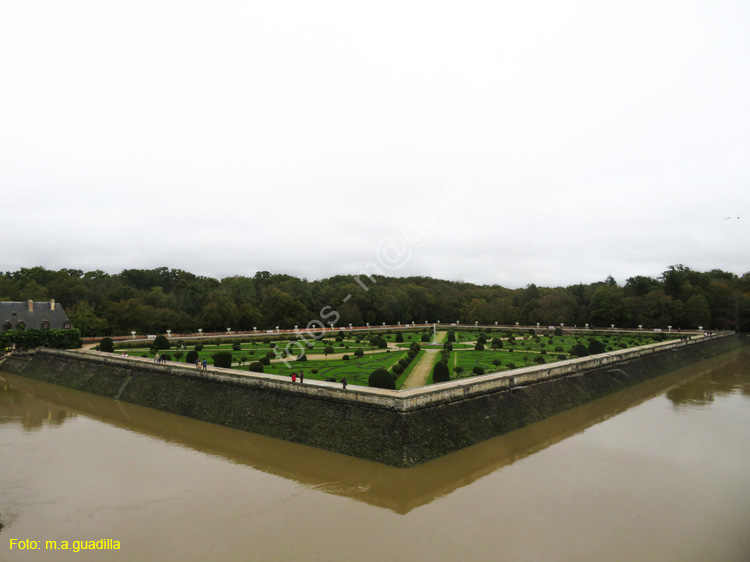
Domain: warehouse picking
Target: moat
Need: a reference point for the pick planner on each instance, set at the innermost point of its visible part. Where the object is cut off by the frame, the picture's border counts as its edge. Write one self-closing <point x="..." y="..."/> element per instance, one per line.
<point x="656" y="471"/>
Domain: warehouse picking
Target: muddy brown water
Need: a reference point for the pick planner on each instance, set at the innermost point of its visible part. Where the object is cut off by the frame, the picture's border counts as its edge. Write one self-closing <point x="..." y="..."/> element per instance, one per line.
<point x="656" y="472"/>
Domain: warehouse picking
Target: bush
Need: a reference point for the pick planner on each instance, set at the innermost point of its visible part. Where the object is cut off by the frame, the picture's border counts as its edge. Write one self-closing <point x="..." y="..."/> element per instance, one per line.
<point x="345" y="358"/>
<point x="558" y="331"/>
<point x="192" y="356"/>
<point x="397" y="369"/>
<point x="359" y="352"/>
<point x="411" y="354"/>
<point x="440" y="372"/>
<point x="539" y="359"/>
<point x="302" y="357"/>
<point x="451" y="336"/>
<point x="106" y="345"/>
<point x="425" y="338"/>
<point x="236" y="346"/>
<point x="178" y="355"/>
<point x="477" y="370"/>
<point x="256" y="367"/>
<point x="497" y="362"/>
<point x="579" y="350"/>
<point x="161" y="342"/>
<point x="497" y="343"/>
<point x="532" y="332"/>
<point x="511" y="365"/>
<point x="458" y="370"/>
<point x="448" y="345"/>
<point x="222" y="359"/>
<point x="415" y="347"/>
<point x="403" y="362"/>
<point x="265" y="361"/>
<point x="328" y="349"/>
<point x="595" y="346"/>
<point x="481" y="339"/>
<point x="479" y="346"/>
<point x="558" y="349"/>
<point x="198" y="347"/>
<point x="380" y="378"/>
<point x="399" y="337"/>
<point x="270" y="355"/>
<point x="561" y="357"/>
<point x="166" y="357"/>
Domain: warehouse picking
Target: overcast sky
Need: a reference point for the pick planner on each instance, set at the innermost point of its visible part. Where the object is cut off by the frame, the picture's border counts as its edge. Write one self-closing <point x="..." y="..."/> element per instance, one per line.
<point x="494" y="142"/>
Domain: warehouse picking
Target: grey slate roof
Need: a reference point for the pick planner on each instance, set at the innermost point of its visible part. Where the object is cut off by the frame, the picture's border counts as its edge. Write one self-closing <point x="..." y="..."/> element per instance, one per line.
<point x="42" y="311"/>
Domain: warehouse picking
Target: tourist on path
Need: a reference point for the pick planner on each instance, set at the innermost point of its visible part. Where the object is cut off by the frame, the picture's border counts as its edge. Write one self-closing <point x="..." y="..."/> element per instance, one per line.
<point x="294" y="377"/>
<point x="205" y="364"/>
<point x="156" y="358"/>
<point x="301" y="377"/>
<point x="343" y="382"/>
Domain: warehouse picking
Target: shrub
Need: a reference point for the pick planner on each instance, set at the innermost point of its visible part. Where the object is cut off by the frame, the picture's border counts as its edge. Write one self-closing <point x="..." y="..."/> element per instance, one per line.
<point x="166" y="356"/>
<point x="106" y="345"/>
<point x="595" y="346"/>
<point x="359" y="353"/>
<point x="511" y="366"/>
<point x="345" y="358"/>
<point x="178" y="355"/>
<point x="411" y="354"/>
<point x="425" y="338"/>
<point x="477" y="370"/>
<point x="403" y="362"/>
<point x="479" y="346"/>
<point x="236" y="346"/>
<point x="451" y="336"/>
<point x="380" y="378"/>
<point x="415" y="347"/>
<point x="532" y="332"/>
<point x="161" y="342"/>
<point x="539" y="359"/>
<point x="458" y="370"/>
<point x="153" y="350"/>
<point x="270" y="355"/>
<point x="265" y="361"/>
<point x="579" y="350"/>
<point x="222" y="359"/>
<point x="399" y="337"/>
<point x="302" y="357"/>
<point x="440" y="372"/>
<point x="256" y="367"/>
<point x="328" y="349"/>
<point x="448" y="345"/>
<point x="558" y="331"/>
<point x="481" y="339"/>
<point x="561" y="357"/>
<point x="397" y="369"/>
<point x="198" y="347"/>
<point x="559" y="348"/>
<point x="497" y="343"/>
<point x="497" y="362"/>
<point x="192" y="356"/>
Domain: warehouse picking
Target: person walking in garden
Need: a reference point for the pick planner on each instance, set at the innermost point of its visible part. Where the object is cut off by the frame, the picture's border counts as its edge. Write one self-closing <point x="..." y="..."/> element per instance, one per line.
<point x="301" y="377"/>
<point x="156" y="358"/>
<point x="294" y="377"/>
<point x="205" y="364"/>
<point x="343" y="382"/>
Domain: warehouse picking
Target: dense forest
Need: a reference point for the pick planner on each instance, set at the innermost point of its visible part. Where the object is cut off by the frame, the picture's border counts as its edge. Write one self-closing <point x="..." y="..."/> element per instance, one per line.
<point x="154" y="300"/>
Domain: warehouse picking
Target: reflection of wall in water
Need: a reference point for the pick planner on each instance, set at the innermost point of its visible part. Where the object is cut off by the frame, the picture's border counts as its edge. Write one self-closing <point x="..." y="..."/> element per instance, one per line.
<point x="396" y="489"/>
<point x="731" y="378"/>
<point x="18" y="406"/>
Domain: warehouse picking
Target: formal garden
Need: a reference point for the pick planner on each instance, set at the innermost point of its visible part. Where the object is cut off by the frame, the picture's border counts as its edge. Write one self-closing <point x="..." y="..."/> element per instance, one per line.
<point x="357" y="355"/>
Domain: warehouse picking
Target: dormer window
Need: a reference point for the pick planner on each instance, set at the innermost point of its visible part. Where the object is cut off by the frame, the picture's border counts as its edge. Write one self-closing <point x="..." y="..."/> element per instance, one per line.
<point x="45" y="325"/>
<point x="66" y="325"/>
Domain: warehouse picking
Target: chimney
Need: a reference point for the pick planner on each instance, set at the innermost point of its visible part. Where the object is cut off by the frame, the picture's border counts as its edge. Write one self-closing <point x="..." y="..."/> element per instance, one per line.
<point x="52" y="304"/>
<point x="30" y="304"/>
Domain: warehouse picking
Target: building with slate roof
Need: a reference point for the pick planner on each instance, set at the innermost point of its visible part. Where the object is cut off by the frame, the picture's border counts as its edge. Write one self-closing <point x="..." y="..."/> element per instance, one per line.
<point x="28" y="315"/>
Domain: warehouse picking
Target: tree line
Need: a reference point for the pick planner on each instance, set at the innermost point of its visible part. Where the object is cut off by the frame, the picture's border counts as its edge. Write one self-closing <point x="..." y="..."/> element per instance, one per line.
<point x="152" y="301"/>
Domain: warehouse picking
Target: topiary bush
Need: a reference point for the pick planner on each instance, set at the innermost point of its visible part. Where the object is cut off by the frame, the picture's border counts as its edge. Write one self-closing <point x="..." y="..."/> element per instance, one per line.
<point x="256" y="367"/>
<point x="451" y="336"/>
<point x="106" y="345"/>
<point x="161" y="342"/>
<point x="479" y="346"/>
<point x="345" y="358"/>
<point x="558" y="331"/>
<point x="236" y="346"/>
<point x="191" y="357"/>
<point x="440" y="372"/>
<point x="497" y="343"/>
<point x="579" y="350"/>
<point x="448" y="345"/>
<point x="359" y="352"/>
<point x="397" y="369"/>
<point x="595" y="346"/>
<point x="198" y="347"/>
<point x="222" y="359"/>
<point x="425" y="338"/>
<point x="539" y="359"/>
<point x="265" y="361"/>
<point x="497" y="362"/>
<point x="399" y="337"/>
<point x="380" y="378"/>
<point x="477" y="370"/>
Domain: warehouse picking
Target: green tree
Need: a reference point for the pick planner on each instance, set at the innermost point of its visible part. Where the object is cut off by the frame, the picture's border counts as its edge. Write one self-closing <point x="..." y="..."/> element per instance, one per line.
<point x="440" y="372"/>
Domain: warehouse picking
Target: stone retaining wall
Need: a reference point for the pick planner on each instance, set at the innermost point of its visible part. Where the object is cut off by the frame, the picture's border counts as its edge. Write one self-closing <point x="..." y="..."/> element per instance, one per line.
<point x="400" y="428"/>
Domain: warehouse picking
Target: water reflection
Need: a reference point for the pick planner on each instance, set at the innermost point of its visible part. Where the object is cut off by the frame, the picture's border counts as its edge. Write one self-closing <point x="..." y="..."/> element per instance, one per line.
<point x="32" y="404"/>
<point x="700" y="391"/>
<point x="21" y="406"/>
